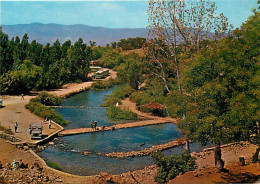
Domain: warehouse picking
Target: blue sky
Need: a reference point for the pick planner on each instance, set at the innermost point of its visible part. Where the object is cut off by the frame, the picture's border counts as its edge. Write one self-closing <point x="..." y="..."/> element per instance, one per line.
<point x="112" y="14"/>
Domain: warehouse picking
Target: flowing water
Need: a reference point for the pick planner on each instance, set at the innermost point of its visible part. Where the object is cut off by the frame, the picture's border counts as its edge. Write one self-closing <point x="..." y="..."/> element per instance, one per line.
<point x="68" y="151"/>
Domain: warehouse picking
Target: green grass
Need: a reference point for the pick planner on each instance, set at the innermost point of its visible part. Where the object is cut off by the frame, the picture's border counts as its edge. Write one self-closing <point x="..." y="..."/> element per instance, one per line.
<point x="54" y="165"/>
<point x="116" y="113"/>
<point x="45" y="112"/>
<point x="104" y="84"/>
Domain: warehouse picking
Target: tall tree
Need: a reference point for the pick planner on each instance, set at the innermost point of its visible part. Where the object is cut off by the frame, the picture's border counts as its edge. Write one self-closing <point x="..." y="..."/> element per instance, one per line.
<point x="223" y="88"/>
<point x="176" y="22"/>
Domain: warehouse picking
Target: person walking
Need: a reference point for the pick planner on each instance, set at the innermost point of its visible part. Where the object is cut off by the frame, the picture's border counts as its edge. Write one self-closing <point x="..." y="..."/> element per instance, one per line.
<point x="50" y="124"/>
<point x="15" y="127"/>
<point x="22" y="98"/>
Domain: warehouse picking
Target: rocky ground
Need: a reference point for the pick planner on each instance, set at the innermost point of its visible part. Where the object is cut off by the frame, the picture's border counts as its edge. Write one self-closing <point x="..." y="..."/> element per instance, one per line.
<point x="38" y="172"/>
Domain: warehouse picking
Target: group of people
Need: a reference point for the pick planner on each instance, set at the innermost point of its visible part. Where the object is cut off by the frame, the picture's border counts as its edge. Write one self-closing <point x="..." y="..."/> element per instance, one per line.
<point x="93" y="125"/>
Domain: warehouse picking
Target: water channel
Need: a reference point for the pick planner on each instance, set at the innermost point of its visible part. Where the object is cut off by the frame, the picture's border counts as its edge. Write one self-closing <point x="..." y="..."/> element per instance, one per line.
<point x="68" y="151"/>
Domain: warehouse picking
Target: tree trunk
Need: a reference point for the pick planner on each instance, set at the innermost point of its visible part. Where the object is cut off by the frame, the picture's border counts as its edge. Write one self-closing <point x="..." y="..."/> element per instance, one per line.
<point x="187" y="145"/>
<point x="255" y="157"/>
<point x="219" y="163"/>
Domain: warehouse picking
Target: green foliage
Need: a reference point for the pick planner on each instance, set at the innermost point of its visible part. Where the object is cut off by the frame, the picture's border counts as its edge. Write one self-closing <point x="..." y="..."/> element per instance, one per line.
<point x="141" y="98"/>
<point x="131" y="43"/>
<point x="53" y="165"/>
<point x="116" y="113"/>
<point x="130" y="69"/>
<point x="117" y="95"/>
<point x="45" y="112"/>
<point x="223" y="88"/>
<point x="47" y="99"/>
<point x="172" y="166"/>
<point x="104" y="84"/>
<point x="109" y="59"/>
<point x="22" y="80"/>
<point x="28" y="66"/>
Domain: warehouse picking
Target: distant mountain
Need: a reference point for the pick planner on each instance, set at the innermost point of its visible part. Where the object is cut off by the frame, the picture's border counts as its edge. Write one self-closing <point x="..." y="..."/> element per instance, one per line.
<point x="44" y="33"/>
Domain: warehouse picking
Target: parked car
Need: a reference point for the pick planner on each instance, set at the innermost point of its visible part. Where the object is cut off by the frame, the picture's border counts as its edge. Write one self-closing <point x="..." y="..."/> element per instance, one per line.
<point x="36" y="131"/>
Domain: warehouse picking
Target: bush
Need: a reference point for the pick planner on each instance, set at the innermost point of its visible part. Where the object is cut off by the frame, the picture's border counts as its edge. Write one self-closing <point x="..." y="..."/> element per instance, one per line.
<point x="116" y="113"/>
<point x="110" y="102"/>
<point x="45" y="112"/>
<point x="54" y="165"/>
<point x="104" y="84"/>
<point x="172" y="166"/>
<point x="47" y="99"/>
<point x="118" y="94"/>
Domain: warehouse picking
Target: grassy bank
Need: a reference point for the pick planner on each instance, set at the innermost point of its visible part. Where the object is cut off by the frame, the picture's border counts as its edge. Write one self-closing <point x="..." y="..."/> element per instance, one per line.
<point x="104" y="84"/>
<point x="54" y="165"/>
<point x="117" y="95"/>
<point x="38" y="107"/>
<point x="116" y="114"/>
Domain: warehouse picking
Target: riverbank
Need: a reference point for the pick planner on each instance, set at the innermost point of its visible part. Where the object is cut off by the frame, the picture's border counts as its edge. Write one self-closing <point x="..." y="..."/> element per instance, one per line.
<point x="14" y="111"/>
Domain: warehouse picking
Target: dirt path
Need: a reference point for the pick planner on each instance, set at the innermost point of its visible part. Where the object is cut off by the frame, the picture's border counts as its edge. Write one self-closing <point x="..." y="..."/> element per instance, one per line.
<point x="75" y="87"/>
<point x="129" y="105"/>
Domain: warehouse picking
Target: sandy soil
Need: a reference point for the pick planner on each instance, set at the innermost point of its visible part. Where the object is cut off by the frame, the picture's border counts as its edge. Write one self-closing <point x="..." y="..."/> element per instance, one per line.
<point x="14" y="111"/>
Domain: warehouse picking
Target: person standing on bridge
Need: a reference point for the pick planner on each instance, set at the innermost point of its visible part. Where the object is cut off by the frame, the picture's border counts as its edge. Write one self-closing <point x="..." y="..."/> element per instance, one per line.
<point x="92" y="124"/>
<point x="95" y="125"/>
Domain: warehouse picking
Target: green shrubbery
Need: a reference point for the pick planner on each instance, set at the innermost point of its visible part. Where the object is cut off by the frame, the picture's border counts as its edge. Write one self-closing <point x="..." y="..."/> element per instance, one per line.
<point x="38" y="107"/>
<point x="118" y="94"/>
<point x="116" y="113"/>
<point x="47" y="99"/>
<point x="104" y="84"/>
<point x="54" y="165"/>
<point x="172" y="166"/>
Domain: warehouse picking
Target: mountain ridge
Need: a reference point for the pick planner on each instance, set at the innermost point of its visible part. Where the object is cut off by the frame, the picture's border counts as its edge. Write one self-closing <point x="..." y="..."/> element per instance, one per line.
<point x="48" y="33"/>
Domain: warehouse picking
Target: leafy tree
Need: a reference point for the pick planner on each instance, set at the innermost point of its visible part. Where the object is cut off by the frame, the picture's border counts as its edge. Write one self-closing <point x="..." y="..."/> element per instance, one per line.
<point x="172" y="166"/>
<point x="34" y="52"/>
<point x="6" y="48"/>
<point x="20" y="81"/>
<point x="223" y="87"/>
<point x="172" y="23"/>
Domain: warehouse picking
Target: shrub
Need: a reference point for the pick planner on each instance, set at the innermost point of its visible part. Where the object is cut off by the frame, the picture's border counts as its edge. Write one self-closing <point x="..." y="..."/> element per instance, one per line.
<point x="118" y="94"/>
<point x="45" y="112"/>
<point x="116" y="113"/>
<point x="172" y="166"/>
<point x="104" y="84"/>
<point x="110" y="102"/>
<point x="47" y="99"/>
<point x="54" y="165"/>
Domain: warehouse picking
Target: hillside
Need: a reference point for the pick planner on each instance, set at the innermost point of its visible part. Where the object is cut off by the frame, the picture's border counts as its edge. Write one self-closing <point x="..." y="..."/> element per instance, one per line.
<point x="45" y="33"/>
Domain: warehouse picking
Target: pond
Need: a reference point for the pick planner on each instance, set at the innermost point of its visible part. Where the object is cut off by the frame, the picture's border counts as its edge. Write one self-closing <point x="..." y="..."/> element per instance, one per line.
<point x="68" y="151"/>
